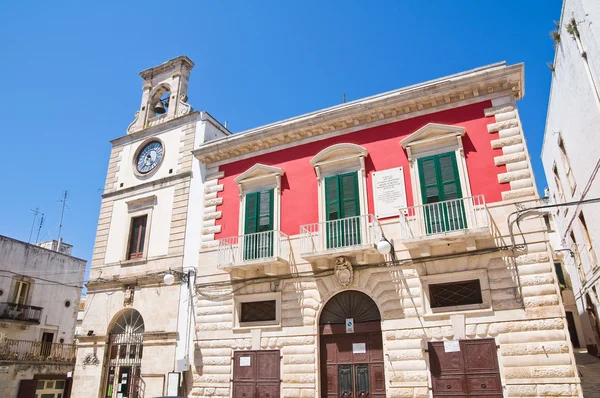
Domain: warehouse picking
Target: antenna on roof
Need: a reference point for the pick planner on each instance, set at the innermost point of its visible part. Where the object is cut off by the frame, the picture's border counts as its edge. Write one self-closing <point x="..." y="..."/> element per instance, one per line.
<point x="344" y="98"/>
<point x="35" y="211"/>
<point x="37" y="237"/>
<point x="62" y="213"/>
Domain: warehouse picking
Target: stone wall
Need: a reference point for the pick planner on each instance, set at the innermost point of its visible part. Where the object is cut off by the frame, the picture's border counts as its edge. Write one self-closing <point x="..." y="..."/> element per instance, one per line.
<point x="525" y="318"/>
<point x="10" y="381"/>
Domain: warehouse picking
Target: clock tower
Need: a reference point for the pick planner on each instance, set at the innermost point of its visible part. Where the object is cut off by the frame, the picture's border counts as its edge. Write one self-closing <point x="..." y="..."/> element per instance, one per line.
<point x="136" y="330"/>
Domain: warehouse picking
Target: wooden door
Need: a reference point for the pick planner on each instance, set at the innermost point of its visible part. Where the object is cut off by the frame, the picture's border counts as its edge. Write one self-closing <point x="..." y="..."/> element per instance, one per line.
<point x="256" y="374"/>
<point x="470" y="372"/>
<point x="352" y="366"/>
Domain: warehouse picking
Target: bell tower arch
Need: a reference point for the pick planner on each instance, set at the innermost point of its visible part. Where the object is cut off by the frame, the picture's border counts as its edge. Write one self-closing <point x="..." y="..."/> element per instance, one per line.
<point x="164" y="94"/>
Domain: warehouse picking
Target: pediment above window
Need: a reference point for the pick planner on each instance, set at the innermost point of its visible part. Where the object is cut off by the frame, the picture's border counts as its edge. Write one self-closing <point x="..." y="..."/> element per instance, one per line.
<point x="338" y="153"/>
<point x="431" y="134"/>
<point x="259" y="176"/>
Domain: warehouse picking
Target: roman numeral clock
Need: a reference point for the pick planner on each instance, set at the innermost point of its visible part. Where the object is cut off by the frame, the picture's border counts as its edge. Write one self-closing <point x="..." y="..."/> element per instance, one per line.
<point x="149" y="157"/>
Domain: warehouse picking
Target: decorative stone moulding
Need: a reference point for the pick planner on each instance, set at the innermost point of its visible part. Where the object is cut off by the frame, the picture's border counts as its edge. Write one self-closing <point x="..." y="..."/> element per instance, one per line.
<point x="514" y="152"/>
<point x="486" y="83"/>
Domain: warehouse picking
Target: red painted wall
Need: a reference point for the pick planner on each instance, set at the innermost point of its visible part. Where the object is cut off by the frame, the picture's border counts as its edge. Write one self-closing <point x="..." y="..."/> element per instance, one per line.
<point x="299" y="184"/>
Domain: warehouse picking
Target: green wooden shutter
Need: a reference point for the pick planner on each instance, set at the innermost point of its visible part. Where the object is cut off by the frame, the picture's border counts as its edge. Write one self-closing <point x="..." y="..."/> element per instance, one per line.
<point x="449" y="180"/>
<point x="250" y="223"/>
<point x="428" y="175"/>
<point x="439" y="178"/>
<point x="440" y="182"/>
<point x="259" y="218"/>
<point x="332" y="198"/>
<point x="265" y="211"/>
<point x="561" y="276"/>
<point x="350" y="206"/>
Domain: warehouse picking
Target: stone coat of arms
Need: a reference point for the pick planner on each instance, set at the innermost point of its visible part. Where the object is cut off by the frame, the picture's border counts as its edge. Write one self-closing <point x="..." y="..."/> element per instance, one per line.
<point x="343" y="271"/>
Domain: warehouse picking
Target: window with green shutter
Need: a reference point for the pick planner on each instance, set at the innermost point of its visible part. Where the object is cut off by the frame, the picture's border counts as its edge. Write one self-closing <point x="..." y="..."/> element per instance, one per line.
<point x="440" y="187"/>
<point x="560" y="275"/>
<point x="258" y="225"/>
<point x="342" y="206"/>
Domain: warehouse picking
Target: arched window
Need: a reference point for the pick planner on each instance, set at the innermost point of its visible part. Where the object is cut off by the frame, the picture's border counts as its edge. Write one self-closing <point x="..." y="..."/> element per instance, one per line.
<point x="124" y="359"/>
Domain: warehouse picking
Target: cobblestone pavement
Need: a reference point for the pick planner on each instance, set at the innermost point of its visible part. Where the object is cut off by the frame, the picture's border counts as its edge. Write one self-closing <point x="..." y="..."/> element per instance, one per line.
<point x="589" y="372"/>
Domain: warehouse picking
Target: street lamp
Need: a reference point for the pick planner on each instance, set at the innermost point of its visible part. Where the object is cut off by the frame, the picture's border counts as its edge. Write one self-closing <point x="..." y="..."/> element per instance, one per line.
<point x="169" y="279"/>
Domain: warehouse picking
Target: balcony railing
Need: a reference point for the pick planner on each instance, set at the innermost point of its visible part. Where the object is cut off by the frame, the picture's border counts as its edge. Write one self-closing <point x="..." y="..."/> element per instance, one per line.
<point x="337" y="235"/>
<point x="418" y="222"/>
<point x="36" y="351"/>
<point x="250" y="248"/>
<point x="20" y="312"/>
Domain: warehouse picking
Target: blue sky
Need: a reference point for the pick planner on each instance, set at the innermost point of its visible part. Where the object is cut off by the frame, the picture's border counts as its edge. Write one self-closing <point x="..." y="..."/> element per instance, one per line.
<point x="69" y="71"/>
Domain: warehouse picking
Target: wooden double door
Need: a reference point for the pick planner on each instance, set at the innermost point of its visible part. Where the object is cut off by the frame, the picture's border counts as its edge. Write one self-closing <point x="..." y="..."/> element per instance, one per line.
<point x="256" y="374"/>
<point x="352" y="366"/>
<point x="469" y="370"/>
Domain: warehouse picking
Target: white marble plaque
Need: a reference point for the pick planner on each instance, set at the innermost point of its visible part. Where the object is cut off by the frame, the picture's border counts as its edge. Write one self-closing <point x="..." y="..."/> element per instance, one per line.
<point x="389" y="192"/>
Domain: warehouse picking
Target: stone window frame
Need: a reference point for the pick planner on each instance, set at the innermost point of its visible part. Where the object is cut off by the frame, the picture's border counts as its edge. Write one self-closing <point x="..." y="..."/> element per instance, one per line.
<point x="137" y="208"/>
<point x="480" y="274"/>
<point x="237" y="307"/>
<point x="14" y="286"/>
<point x="260" y="177"/>
<point x="435" y="139"/>
<point x="338" y="159"/>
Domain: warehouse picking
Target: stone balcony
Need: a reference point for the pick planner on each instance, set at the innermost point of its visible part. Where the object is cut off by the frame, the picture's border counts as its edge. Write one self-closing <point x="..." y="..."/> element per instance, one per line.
<point x="463" y="219"/>
<point x="20" y="313"/>
<point x="266" y="250"/>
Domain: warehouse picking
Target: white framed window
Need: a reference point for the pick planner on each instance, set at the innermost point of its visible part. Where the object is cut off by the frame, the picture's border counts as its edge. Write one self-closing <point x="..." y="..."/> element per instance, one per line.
<point x="458" y="291"/>
<point x="261" y="309"/>
<point x="21" y="294"/>
<point x="558" y="183"/>
<point x="438" y="166"/>
<point x="260" y="199"/>
<point x="566" y="164"/>
<point x="138" y="231"/>
<point x="341" y="176"/>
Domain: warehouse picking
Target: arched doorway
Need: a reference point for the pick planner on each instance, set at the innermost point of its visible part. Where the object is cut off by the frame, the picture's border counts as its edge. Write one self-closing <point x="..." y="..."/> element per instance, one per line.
<point x="124" y="358"/>
<point x="351" y="354"/>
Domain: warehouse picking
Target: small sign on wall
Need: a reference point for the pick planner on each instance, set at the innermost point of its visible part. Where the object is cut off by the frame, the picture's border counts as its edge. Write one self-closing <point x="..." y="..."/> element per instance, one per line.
<point x="451" y="346"/>
<point x="359" y="348"/>
<point x="3" y="369"/>
<point x="349" y="325"/>
<point x="389" y="192"/>
<point x="245" y="361"/>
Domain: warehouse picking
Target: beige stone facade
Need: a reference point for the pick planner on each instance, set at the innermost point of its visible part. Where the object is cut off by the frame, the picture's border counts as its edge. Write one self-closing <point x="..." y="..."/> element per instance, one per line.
<point x="521" y="309"/>
<point x="128" y="306"/>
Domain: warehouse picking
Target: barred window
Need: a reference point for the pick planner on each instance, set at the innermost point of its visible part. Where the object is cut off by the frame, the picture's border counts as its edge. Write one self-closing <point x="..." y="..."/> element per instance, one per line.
<point x="258" y="311"/>
<point x="455" y="294"/>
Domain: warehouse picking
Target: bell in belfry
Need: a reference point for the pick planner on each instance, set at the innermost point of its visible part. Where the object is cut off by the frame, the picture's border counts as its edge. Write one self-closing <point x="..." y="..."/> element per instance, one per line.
<point x="159" y="108"/>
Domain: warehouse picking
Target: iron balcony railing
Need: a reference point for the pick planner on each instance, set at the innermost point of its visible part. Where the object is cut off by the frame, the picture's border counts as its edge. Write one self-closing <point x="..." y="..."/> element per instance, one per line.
<point x="38" y="351"/>
<point x="20" y="312"/>
<point x="329" y="236"/>
<point x="237" y="250"/>
<point x="443" y="217"/>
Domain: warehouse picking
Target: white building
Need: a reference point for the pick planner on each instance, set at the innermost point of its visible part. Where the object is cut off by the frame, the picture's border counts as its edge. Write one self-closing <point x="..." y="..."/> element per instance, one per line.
<point x="39" y="299"/>
<point x="571" y="155"/>
<point x="135" y="332"/>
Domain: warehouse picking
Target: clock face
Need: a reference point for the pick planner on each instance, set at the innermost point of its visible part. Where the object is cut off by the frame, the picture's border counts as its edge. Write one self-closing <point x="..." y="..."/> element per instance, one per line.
<point x="149" y="157"/>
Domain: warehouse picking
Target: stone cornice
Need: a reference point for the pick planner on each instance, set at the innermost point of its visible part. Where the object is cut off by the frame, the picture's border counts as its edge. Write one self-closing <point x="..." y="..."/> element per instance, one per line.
<point x="476" y="85"/>
<point x="153" y="184"/>
<point x="152" y="130"/>
<point x="156" y="70"/>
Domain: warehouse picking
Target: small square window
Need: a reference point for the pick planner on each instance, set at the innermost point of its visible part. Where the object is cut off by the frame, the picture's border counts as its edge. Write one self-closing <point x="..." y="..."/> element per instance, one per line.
<point x="60" y="384"/>
<point x="41" y="384"/>
<point x="455" y="294"/>
<point x="258" y="311"/>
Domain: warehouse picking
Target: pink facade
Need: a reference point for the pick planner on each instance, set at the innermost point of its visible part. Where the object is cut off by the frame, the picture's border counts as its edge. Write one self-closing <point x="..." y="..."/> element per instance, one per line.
<point x="299" y="184"/>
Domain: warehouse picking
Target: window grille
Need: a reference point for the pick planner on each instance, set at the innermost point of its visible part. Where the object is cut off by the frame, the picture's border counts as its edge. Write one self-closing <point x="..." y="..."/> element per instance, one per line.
<point x="258" y="311"/>
<point x="455" y="294"/>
